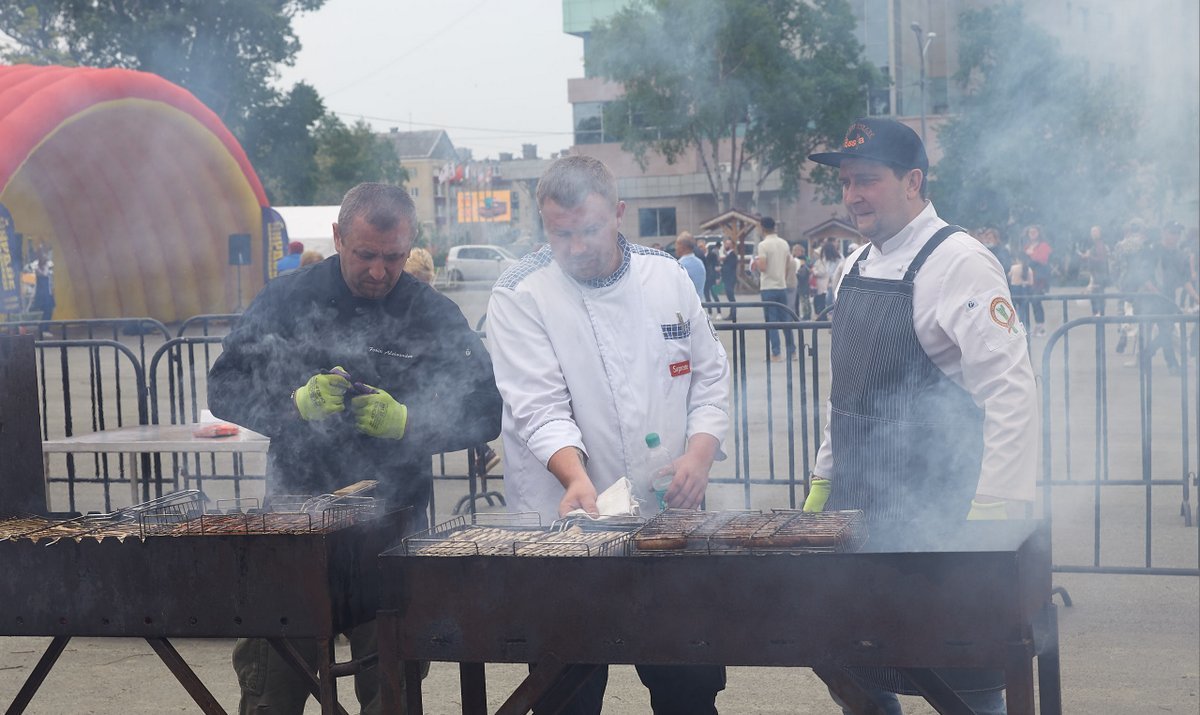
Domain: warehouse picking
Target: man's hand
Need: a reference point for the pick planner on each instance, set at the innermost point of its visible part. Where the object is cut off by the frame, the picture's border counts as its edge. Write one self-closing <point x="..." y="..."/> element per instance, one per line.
<point x="686" y="490"/>
<point x="379" y="415"/>
<point x="581" y="494"/>
<point x="322" y="396"/>
<point x="818" y="495"/>
<point x="569" y="467"/>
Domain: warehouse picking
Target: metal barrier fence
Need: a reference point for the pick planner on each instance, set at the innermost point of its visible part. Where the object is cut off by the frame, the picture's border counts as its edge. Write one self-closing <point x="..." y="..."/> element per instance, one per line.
<point x="1159" y="409"/>
<point x="116" y="397"/>
<point x="779" y="409"/>
<point x="205" y="323"/>
<point x="789" y="394"/>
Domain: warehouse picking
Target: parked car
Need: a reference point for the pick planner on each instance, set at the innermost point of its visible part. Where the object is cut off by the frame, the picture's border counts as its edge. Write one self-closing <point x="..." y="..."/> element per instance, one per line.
<point x="478" y="262"/>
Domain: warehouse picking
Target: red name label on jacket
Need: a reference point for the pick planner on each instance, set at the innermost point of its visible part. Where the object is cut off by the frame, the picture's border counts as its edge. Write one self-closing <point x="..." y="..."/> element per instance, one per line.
<point x="681" y="368"/>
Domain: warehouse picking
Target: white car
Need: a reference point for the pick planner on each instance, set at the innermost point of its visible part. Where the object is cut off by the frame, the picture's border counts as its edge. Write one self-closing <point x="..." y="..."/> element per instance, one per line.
<point x="478" y="262"/>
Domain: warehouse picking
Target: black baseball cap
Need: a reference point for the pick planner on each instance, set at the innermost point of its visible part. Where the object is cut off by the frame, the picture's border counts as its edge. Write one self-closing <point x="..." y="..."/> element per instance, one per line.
<point x="883" y="140"/>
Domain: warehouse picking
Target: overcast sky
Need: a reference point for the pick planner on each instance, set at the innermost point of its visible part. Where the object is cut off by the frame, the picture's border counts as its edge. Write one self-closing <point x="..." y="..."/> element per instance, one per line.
<point x="492" y="73"/>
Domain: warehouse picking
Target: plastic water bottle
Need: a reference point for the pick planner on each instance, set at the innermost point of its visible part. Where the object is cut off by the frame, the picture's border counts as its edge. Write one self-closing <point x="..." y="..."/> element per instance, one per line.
<point x="657" y="460"/>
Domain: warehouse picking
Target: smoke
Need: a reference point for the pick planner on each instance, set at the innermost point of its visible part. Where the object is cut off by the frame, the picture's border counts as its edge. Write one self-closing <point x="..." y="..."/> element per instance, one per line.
<point x="1073" y="115"/>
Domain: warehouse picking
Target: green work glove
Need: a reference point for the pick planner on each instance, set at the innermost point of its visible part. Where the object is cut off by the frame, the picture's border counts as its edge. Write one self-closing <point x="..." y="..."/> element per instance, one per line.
<point x="379" y="415"/>
<point x="818" y="495"/>
<point x="322" y="395"/>
<point x="988" y="510"/>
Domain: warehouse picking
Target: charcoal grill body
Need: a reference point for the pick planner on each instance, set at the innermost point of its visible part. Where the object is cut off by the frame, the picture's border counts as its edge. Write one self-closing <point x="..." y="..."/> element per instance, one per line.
<point x="973" y="601"/>
<point x="275" y="586"/>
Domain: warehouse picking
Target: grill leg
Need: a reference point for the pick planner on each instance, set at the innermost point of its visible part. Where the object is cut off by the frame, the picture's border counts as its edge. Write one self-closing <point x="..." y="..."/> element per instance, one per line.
<point x="940" y="696"/>
<point x="324" y="654"/>
<point x="1018" y="679"/>
<point x="328" y="681"/>
<point x="399" y="681"/>
<point x="847" y="688"/>
<point x="548" y="686"/>
<point x="1049" y="678"/>
<point x="186" y="677"/>
<point x="40" y="671"/>
<point x="473" y="688"/>
<point x="569" y="683"/>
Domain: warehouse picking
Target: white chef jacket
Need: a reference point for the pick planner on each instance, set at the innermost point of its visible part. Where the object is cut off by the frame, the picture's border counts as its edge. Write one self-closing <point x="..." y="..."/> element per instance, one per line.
<point x="598" y="366"/>
<point x="973" y="338"/>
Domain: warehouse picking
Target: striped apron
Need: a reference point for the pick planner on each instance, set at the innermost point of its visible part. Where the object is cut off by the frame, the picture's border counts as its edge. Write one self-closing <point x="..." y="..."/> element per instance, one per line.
<point x="908" y="441"/>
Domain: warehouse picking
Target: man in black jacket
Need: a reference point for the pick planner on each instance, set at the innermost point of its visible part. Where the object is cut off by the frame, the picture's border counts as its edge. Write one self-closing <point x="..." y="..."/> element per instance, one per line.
<point x="355" y="370"/>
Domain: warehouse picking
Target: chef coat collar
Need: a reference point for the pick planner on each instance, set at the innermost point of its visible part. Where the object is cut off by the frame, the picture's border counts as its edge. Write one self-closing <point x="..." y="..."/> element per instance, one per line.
<point x="918" y="227"/>
<point x="606" y="281"/>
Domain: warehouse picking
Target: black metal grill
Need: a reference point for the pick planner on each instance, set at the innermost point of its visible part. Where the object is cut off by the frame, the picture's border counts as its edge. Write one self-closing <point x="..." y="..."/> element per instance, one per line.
<point x="975" y="596"/>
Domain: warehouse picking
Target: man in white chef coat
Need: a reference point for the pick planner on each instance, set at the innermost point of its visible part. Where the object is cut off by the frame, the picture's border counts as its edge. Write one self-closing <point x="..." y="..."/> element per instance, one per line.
<point x="596" y="343"/>
<point x="933" y="407"/>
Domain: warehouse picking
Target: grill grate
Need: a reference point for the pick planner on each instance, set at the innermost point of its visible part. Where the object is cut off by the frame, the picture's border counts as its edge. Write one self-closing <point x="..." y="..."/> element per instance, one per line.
<point x="676" y="531"/>
<point x="182" y="514"/>
<point x="496" y="535"/>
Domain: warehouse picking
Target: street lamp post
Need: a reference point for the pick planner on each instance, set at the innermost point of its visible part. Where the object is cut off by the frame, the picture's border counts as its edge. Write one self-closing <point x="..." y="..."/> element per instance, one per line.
<point x="923" y="41"/>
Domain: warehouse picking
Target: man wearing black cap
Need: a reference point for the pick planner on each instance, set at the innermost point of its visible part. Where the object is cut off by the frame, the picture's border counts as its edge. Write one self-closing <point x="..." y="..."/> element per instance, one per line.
<point x="932" y="404"/>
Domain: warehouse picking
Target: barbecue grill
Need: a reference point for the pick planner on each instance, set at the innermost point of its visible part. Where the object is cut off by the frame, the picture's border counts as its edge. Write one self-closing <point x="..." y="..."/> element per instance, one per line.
<point x="168" y="569"/>
<point x="734" y="589"/>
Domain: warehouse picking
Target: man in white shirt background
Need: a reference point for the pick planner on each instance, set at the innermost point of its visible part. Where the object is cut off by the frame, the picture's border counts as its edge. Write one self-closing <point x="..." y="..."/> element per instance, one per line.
<point x="773" y="261"/>
<point x="933" y="408"/>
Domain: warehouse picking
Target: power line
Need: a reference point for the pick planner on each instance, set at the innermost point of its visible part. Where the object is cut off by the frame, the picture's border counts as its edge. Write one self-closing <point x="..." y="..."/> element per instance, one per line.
<point x="514" y="132"/>
<point x="409" y="51"/>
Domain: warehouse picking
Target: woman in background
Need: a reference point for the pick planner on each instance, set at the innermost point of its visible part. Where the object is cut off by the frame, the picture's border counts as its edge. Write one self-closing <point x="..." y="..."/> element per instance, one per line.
<point x="822" y="271"/>
<point x="1038" y="250"/>
<point x="1020" y="282"/>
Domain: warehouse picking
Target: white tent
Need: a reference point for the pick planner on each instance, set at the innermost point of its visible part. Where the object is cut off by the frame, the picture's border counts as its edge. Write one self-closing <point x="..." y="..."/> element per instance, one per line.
<point x="310" y="225"/>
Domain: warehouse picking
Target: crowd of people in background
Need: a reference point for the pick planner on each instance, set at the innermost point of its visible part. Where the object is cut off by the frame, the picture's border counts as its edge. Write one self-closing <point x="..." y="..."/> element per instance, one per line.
<point x="1159" y="263"/>
<point x="1162" y="264"/>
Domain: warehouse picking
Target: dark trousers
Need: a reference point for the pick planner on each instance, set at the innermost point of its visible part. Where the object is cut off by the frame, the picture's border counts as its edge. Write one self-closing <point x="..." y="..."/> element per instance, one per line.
<point x="270" y="686"/>
<point x="777" y="314"/>
<point x="1039" y="313"/>
<point x="1158" y="335"/>
<point x="674" y="690"/>
<point x="818" y="301"/>
<point x="730" y="288"/>
<point x="1020" y="296"/>
<point x="710" y="292"/>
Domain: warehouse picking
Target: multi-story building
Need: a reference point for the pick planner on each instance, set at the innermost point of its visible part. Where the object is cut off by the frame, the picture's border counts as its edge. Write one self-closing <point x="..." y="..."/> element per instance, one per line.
<point x="1150" y="46"/>
<point x="664" y="199"/>
<point x="423" y="154"/>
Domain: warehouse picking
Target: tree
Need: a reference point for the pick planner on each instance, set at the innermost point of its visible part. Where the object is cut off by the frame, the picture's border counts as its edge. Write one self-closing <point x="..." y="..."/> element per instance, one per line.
<point x="280" y="141"/>
<point x="755" y="85"/>
<point x="1036" y="140"/>
<point x="349" y="155"/>
<point x="226" y="52"/>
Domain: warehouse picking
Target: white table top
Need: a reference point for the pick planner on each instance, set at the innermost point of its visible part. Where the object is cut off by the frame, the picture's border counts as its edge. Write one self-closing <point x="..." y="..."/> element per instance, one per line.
<point x="157" y="438"/>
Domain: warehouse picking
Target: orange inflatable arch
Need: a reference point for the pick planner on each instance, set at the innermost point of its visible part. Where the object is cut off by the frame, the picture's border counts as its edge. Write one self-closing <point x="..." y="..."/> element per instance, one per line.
<point x="135" y="185"/>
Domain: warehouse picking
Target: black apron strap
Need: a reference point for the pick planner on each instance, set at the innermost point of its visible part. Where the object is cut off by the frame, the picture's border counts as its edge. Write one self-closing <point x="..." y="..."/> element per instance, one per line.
<point x="934" y="241"/>
<point x="861" y="256"/>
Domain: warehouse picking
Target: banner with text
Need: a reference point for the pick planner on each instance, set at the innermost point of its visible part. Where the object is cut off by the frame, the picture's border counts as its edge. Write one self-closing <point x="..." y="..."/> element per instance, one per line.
<point x="10" y="273"/>
<point x="275" y="240"/>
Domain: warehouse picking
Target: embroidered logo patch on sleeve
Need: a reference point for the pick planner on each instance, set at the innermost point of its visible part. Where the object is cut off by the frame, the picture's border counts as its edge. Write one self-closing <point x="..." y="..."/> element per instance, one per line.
<point x="1003" y="315"/>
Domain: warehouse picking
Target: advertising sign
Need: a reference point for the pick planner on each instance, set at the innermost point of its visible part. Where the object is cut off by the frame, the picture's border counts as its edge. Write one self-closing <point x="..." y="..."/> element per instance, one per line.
<point x="484" y="206"/>
<point x="275" y="240"/>
<point x="10" y="286"/>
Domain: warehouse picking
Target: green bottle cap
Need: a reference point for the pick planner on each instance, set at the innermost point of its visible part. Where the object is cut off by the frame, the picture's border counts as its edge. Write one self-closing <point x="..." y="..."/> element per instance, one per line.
<point x="652" y="440"/>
